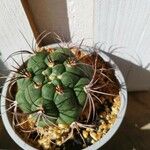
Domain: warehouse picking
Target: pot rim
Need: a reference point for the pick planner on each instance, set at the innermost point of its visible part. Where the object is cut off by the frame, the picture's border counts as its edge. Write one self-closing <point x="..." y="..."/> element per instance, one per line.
<point x="123" y="97"/>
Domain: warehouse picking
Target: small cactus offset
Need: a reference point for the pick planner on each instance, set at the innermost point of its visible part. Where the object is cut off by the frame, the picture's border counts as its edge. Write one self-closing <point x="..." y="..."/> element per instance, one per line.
<point x="54" y="84"/>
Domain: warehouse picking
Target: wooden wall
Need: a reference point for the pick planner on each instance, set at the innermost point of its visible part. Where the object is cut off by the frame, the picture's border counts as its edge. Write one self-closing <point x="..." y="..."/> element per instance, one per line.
<point x="113" y="22"/>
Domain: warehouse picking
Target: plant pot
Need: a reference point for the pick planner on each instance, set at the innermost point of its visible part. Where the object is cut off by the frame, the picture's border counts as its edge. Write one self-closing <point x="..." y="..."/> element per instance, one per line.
<point x="98" y="144"/>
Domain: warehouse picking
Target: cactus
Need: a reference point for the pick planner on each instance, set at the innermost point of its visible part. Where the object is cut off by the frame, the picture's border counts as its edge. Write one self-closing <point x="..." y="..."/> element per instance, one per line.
<point x="62" y="91"/>
<point x="54" y="85"/>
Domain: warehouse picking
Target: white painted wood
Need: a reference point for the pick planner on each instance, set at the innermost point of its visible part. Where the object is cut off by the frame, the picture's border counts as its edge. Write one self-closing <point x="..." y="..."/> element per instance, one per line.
<point x="13" y="20"/>
<point x="71" y="19"/>
<point x="126" y="23"/>
<point x="81" y="20"/>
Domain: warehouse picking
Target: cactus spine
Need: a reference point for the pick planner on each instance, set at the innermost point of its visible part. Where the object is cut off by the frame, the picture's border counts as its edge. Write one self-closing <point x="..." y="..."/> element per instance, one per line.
<point x="53" y="86"/>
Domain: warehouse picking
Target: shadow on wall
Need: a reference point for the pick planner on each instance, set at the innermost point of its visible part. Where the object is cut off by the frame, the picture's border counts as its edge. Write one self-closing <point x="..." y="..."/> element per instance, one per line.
<point x="51" y="15"/>
<point x="136" y="77"/>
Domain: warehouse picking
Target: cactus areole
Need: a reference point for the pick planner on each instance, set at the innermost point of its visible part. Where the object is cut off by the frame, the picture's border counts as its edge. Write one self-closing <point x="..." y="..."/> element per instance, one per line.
<point x="54" y="84"/>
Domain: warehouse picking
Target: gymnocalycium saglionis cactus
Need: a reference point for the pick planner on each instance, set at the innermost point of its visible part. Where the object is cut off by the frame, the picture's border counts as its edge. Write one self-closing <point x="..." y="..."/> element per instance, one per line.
<point x="54" y="84"/>
<point x="63" y="92"/>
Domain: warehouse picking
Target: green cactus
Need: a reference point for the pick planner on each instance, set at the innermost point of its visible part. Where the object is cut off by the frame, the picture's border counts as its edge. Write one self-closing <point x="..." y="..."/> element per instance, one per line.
<point x="54" y="84"/>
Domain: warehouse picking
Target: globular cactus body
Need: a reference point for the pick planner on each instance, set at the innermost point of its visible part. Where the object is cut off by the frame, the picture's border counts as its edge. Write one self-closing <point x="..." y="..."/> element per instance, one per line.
<point x="54" y="84"/>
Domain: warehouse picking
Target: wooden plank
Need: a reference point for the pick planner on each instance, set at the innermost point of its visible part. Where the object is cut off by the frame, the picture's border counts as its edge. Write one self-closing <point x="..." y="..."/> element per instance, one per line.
<point x="126" y="24"/>
<point x="71" y="19"/>
<point x="50" y="16"/>
<point x="29" y="14"/>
